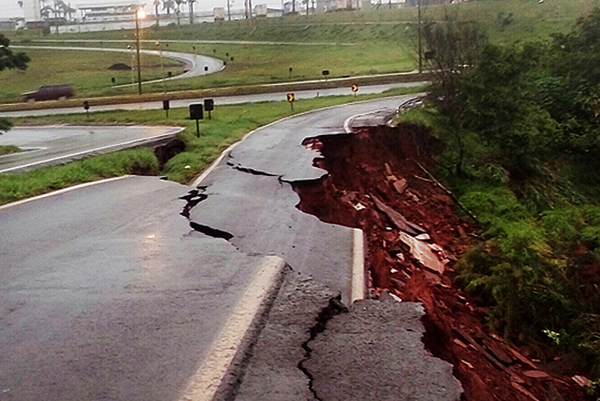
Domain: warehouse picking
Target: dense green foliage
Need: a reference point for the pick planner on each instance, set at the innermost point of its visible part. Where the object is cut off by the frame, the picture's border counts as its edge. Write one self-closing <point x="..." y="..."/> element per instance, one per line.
<point x="527" y="117"/>
<point x="8" y="61"/>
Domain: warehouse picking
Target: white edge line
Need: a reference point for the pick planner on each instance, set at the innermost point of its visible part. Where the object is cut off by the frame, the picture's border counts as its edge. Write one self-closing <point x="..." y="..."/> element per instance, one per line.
<point x="358" y="266"/>
<point x="214" y="165"/>
<point x="62" y="191"/>
<point x="92" y="151"/>
<point x="209" y="376"/>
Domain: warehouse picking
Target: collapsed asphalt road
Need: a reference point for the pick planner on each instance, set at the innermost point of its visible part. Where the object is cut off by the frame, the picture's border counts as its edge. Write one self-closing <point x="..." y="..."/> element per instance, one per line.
<point x="123" y="300"/>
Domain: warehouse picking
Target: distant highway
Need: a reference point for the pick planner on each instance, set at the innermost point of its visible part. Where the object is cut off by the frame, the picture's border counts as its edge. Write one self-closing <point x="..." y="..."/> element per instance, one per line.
<point x="224" y="100"/>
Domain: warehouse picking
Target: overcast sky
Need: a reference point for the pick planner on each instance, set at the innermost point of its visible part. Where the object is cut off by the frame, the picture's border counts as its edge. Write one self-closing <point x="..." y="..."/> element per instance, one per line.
<point x="10" y="8"/>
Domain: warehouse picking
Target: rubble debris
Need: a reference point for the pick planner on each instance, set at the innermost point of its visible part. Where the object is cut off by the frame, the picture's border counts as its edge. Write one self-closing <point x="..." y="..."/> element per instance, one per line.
<point x="536" y="374"/>
<point x="397" y="219"/>
<point x="524" y="391"/>
<point x="356" y="164"/>
<point x="582" y="381"/>
<point x="400" y="185"/>
<point x="422" y="253"/>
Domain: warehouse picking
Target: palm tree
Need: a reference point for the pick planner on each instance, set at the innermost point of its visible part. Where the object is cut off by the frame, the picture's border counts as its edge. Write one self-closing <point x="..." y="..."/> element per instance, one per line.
<point x="168" y="5"/>
<point x="178" y="10"/>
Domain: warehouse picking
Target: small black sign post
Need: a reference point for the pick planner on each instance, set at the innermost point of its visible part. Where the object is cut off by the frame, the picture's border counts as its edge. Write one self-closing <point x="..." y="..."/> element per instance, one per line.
<point x="291" y="98"/>
<point x="206" y="68"/>
<point x="209" y="105"/>
<point x="166" y="107"/>
<point x="325" y="74"/>
<point x="86" y="107"/>
<point x="197" y="113"/>
<point x="291" y="69"/>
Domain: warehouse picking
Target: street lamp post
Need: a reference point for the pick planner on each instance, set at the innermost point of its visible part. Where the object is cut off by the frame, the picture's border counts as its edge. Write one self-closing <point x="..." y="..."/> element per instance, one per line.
<point x="139" y="14"/>
<point x="420" y="49"/>
<point x="162" y="66"/>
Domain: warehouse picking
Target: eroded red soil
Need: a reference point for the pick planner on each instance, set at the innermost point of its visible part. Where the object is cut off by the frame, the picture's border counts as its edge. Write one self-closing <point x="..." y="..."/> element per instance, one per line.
<point x="367" y="171"/>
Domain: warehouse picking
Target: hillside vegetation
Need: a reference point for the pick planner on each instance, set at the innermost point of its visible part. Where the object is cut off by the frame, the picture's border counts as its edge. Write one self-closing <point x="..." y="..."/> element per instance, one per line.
<point x="520" y="125"/>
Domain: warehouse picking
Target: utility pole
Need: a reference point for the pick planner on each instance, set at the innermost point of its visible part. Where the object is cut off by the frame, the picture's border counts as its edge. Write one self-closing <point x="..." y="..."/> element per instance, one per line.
<point x="420" y="48"/>
<point x="228" y="10"/>
<point x="139" y="14"/>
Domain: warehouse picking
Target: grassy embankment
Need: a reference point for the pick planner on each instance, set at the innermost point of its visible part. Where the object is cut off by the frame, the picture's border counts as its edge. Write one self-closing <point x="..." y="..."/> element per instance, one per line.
<point x="357" y="42"/>
<point x="228" y="125"/>
<point x="6" y="150"/>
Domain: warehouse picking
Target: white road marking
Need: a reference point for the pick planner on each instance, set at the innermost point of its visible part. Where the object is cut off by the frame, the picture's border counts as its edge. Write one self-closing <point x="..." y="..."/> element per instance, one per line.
<point x="358" y="266"/>
<point x="209" y="376"/>
<point x="61" y="191"/>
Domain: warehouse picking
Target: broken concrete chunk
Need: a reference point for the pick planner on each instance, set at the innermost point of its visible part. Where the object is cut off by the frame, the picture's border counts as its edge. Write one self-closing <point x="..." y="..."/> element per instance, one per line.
<point x="423" y="253"/>
<point x="536" y="374"/>
<point x="392" y="178"/>
<point x="423" y="237"/>
<point x="582" y="381"/>
<point x="400" y="185"/>
<point x="399" y="221"/>
<point x="359" y="207"/>
<point x="388" y="169"/>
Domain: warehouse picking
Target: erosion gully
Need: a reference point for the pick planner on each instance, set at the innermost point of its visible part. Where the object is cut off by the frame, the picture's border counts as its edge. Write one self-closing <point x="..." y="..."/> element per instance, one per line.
<point x="379" y="173"/>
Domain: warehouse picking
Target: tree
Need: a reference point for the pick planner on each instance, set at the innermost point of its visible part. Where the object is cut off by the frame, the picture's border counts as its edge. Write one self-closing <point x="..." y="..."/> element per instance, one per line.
<point x="451" y="47"/>
<point x="10" y="60"/>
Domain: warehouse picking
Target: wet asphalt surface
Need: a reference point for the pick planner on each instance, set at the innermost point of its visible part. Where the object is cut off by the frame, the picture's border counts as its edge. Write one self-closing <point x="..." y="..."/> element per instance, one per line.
<point x="107" y="293"/>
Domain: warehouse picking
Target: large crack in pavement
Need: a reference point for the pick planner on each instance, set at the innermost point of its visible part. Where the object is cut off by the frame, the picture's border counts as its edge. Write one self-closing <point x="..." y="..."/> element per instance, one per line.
<point x="333" y="308"/>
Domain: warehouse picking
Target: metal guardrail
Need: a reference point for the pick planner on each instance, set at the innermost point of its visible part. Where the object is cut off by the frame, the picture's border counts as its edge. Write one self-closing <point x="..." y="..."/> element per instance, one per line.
<point x="411" y="103"/>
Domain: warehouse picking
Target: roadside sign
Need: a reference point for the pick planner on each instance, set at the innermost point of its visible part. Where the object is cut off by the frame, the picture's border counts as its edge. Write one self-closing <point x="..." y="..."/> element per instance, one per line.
<point x="196" y="113"/>
<point x="205" y="68"/>
<point x="86" y="107"/>
<point x="209" y="105"/>
<point x="325" y="73"/>
<point x="166" y="107"/>
<point x="291" y="98"/>
<point x="354" y="88"/>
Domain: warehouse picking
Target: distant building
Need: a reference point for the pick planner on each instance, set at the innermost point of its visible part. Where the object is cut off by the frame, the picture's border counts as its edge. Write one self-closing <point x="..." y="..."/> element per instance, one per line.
<point x="109" y="12"/>
<point x="261" y="10"/>
<point x="339" y="5"/>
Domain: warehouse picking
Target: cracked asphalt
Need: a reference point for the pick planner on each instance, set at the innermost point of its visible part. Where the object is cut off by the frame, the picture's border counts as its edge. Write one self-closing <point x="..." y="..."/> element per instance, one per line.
<point x="107" y="293"/>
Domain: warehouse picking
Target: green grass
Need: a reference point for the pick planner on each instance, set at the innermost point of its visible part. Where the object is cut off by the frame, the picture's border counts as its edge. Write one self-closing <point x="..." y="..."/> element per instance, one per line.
<point x="228" y="125"/>
<point x="14" y="187"/>
<point x="86" y="71"/>
<point x="7" y="150"/>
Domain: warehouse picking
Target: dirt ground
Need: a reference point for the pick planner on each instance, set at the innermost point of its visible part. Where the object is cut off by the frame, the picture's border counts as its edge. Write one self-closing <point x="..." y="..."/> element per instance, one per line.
<point x="379" y="181"/>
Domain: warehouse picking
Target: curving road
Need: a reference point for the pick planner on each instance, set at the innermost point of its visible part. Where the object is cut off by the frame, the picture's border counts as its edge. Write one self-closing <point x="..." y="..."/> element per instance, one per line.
<point x="107" y="293"/>
<point x="197" y="63"/>
<point x="50" y="145"/>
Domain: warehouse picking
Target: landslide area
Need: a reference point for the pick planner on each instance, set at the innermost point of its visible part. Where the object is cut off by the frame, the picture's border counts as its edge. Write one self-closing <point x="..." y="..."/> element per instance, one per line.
<point x="379" y="181"/>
